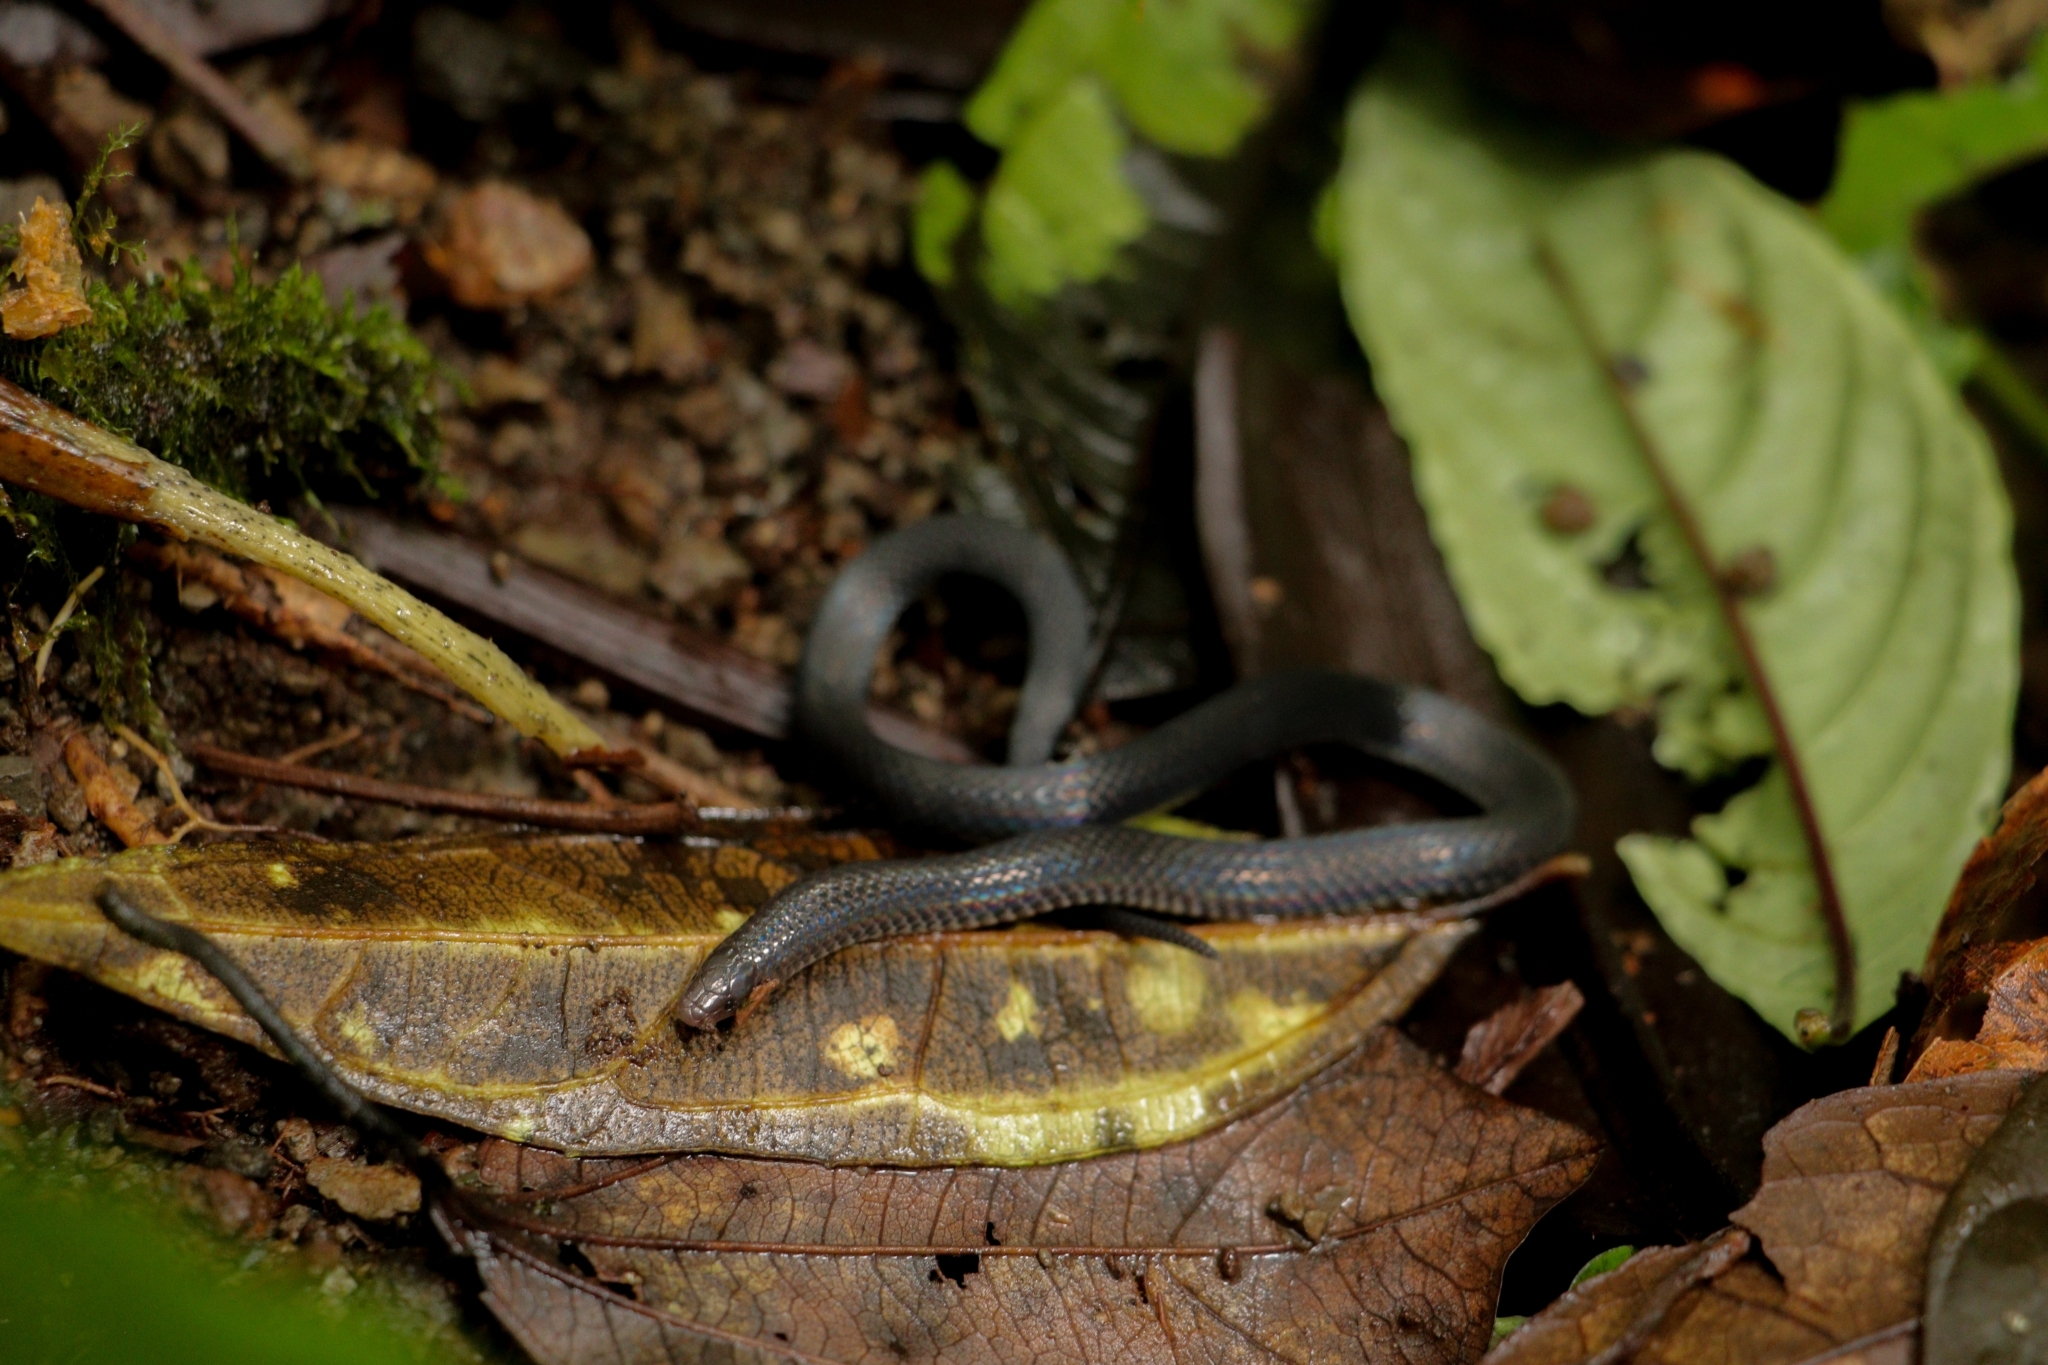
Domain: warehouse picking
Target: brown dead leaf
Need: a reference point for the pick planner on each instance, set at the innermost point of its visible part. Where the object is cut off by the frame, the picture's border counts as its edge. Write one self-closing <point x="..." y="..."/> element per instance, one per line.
<point x="1622" y="1307"/>
<point x="524" y="987"/>
<point x="2001" y="870"/>
<point x="1185" y="1252"/>
<point x="1852" y="1185"/>
<point x="1973" y="963"/>
<point x="107" y="796"/>
<point x="1500" y="1045"/>
<point x="2010" y="982"/>
<point x="52" y="275"/>
<point x="375" y="1192"/>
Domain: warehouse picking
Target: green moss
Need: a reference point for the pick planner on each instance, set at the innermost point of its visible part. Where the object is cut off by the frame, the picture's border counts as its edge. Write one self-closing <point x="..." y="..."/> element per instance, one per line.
<point x="265" y="391"/>
<point x="262" y="390"/>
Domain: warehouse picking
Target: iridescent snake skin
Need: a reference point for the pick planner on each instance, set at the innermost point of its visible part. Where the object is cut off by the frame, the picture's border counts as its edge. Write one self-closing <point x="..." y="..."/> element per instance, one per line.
<point x="1056" y="840"/>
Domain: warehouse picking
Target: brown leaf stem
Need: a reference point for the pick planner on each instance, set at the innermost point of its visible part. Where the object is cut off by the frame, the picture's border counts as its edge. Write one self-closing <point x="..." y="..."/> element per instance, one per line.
<point x="1841" y="943"/>
<point x="665" y="817"/>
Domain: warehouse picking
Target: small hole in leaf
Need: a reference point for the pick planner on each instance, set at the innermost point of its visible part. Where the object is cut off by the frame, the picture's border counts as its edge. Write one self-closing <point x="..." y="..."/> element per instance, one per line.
<point x="957" y="1267"/>
<point x="1628" y="570"/>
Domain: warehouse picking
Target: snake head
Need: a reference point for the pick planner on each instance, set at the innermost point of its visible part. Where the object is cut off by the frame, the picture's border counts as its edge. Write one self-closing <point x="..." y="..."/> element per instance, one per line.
<point x="724" y="988"/>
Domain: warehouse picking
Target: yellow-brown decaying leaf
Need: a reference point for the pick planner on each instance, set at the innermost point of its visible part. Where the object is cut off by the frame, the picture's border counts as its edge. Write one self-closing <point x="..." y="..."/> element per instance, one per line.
<point x="1852" y="1185"/>
<point x="52" y="275"/>
<point x="1365" y="1216"/>
<point x="523" y="987"/>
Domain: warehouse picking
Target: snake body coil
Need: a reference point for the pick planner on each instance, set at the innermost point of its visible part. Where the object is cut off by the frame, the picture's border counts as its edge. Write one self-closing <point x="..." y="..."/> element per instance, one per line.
<point x="1057" y="843"/>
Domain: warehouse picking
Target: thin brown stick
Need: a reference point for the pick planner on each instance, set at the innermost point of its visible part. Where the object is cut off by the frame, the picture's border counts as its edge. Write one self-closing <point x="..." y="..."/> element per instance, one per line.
<point x="1840" y="941"/>
<point x="341" y="739"/>
<point x="666" y="817"/>
<point x="284" y="148"/>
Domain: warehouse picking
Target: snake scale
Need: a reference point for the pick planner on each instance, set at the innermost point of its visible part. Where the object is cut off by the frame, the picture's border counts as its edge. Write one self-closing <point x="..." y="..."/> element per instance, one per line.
<point x="1048" y="831"/>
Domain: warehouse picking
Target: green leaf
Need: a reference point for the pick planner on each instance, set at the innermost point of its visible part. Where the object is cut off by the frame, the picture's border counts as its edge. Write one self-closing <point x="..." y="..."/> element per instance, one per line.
<point x="1187" y="73"/>
<point x="1902" y="154"/>
<point x="1054" y="42"/>
<point x="1552" y="317"/>
<point x="1178" y="68"/>
<point x="1611" y="1259"/>
<point x="945" y="206"/>
<point x="1059" y="207"/>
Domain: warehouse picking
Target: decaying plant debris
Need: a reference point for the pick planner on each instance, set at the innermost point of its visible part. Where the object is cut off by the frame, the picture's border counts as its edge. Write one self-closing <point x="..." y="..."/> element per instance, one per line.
<point x="636" y="345"/>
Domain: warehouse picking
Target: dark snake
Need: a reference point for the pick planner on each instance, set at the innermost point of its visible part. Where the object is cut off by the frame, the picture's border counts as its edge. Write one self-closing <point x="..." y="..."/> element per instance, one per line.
<point x="1056" y="841"/>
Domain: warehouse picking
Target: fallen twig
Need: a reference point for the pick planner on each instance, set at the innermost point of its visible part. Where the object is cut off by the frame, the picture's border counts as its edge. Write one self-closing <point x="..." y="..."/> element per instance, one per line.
<point x="44" y="448"/>
<point x="704" y="676"/>
<point x="672" y="777"/>
<point x="301" y="616"/>
<point x="341" y="739"/>
<point x="64" y="614"/>
<point x="665" y="817"/>
<point x="193" y="819"/>
<point x="284" y="147"/>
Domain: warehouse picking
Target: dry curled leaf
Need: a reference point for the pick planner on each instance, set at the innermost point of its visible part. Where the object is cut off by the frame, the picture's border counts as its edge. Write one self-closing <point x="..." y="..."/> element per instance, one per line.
<point x="52" y="275"/>
<point x="111" y="800"/>
<point x="2001" y="870"/>
<point x="375" y="1192"/>
<point x="1500" y="1045"/>
<point x="1365" y="1216"/>
<point x="2008" y="983"/>
<point x="1987" y="1008"/>
<point x="1852" y="1185"/>
<point x="524" y="987"/>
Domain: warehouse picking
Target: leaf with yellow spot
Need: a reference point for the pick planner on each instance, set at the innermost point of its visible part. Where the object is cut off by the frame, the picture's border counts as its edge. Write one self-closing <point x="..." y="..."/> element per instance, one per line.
<point x="525" y="987"/>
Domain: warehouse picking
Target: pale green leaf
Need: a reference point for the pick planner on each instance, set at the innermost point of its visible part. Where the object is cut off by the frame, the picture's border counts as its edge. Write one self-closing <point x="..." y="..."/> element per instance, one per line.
<point x="1054" y="42"/>
<point x="1059" y="207"/>
<point x="1796" y="416"/>
<point x="945" y="206"/>
<point x="1179" y="71"/>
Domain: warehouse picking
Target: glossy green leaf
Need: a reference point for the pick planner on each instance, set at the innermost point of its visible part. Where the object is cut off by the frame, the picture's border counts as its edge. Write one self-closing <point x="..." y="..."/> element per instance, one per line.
<point x="1544" y="315"/>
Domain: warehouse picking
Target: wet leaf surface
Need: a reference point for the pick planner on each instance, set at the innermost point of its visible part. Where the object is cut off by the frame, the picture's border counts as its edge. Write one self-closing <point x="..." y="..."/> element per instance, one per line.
<point x="523" y="987"/>
<point x="1853" y="1185"/>
<point x="1364" y="1216"/>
